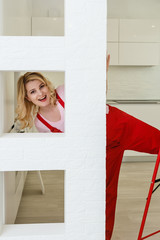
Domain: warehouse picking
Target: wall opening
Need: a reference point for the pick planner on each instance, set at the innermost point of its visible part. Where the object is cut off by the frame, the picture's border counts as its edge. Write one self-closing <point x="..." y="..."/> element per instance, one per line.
<point x="34" y="197"/>
<point x="8" y="103"/>
<point x="32" y="17"/>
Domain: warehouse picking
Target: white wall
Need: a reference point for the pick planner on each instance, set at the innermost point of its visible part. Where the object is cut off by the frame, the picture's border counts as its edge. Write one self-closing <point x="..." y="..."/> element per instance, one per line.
<point x="142" y="83"/>
<point x="80" y="151"/>
<point x="17" y="8"/>
<point x="133" y="9"/>
<point x="134" y="82"/>
<point x="17" y="17"/>
<point x="48" y="8"/>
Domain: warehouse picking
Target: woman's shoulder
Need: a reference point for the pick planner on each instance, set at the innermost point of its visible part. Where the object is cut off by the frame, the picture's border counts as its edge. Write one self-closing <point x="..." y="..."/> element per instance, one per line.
<point x="60" y="91"/>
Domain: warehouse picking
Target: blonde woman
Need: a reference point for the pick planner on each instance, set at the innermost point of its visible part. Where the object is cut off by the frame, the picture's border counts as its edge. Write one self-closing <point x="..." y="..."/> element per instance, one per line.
<point x="39" y="104"/>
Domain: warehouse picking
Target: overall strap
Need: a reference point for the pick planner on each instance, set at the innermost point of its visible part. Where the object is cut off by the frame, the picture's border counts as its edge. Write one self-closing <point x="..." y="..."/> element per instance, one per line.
<point x="52" y="129"/>
<point x="59" y="99"/>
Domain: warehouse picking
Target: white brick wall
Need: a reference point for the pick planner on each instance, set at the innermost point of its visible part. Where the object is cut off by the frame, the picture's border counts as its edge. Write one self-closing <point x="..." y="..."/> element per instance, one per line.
<point x="80" y="151"/>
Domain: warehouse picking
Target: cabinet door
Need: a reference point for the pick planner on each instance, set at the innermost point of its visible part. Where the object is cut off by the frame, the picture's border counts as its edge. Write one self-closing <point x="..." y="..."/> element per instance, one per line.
<point x="112" y="30"/>
<point x="139" y="54"/>
<point x="45" y="26"/>
<point x="112" y="49"/>
<point x="139" y="30"/>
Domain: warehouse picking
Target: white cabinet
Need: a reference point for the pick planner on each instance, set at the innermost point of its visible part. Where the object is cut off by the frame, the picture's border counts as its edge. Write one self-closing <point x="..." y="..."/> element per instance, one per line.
<point x="139" y="30"/>
<point x="17" y="26"/>
<point x="138" y="54"/>
<point x="113" y="51"/>
<point x="134" y="41"/>
<point x="112" y="35"/>
<point x="112" y="30"/>
<point x="47" y="26"/>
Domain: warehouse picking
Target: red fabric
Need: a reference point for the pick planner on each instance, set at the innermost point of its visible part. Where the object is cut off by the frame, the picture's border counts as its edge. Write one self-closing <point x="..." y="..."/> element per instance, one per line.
<point x="52" y="129"/>
<point x="124" y="132"/>
<point x="59" y="99"/>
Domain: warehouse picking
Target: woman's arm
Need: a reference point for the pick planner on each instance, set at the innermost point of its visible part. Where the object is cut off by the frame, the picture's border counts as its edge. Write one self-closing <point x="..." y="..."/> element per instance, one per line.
<point x="107" y="67"/>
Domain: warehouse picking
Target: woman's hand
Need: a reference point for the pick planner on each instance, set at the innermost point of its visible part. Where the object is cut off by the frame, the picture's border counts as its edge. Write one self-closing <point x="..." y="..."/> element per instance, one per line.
<point x="107" y="62"/>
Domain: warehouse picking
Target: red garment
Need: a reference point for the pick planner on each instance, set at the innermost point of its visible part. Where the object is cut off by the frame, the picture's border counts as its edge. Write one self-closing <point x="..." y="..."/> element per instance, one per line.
<point x="52" y="129"/>
<point x="124" y="132"/>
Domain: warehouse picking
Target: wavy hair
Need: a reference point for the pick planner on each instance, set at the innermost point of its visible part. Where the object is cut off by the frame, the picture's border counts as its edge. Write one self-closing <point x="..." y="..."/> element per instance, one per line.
<point x="26" y="110"/>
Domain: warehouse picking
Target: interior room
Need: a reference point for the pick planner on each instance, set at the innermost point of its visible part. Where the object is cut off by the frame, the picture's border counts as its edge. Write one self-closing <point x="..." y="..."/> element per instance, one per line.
<point x="133" y="41"/>
<point x="32" y="17"/>
<point x="8" y="84"/>
<point x="34" y="197"/>
<point x="79" y="53"/>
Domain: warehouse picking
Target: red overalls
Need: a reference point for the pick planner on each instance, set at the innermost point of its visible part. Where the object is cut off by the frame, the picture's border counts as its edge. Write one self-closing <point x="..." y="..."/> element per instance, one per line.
<point x="52" y="129"/>
<point x="124" y="132"/>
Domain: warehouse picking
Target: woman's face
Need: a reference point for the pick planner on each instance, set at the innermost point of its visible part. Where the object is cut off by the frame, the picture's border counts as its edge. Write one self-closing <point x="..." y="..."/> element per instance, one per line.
<point x="38" y="93"/>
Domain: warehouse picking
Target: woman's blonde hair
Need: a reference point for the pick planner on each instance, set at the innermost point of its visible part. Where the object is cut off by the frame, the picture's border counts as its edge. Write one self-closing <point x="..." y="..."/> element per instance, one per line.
<point x="26" y="110"/>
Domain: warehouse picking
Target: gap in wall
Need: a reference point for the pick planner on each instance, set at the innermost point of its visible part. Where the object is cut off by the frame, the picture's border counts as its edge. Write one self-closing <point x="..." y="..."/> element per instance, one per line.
<point x="34" y="197"/>
<point x="32" y="17"/>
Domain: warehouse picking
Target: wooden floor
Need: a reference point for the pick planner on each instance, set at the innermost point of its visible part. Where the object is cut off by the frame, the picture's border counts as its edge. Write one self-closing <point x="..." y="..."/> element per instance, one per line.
<point x="133" y="189"/>
<point x="38" y="208"/>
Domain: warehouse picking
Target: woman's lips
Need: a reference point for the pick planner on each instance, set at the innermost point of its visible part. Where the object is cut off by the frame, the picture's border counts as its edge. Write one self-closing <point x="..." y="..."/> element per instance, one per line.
<point x="43" y="99"/>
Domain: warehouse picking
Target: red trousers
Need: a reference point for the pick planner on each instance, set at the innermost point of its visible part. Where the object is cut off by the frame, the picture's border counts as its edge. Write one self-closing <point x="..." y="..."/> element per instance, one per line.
<point x="124" y="132"/>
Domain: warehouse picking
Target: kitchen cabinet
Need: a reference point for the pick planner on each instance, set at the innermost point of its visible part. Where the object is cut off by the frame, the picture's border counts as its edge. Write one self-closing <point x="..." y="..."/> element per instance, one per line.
<point x="134" y="41"/>
<point x="145" y="54"/>
<point x="113" y="51"/>
<point x="139" y="30"/>
<point x="47" y="26"/>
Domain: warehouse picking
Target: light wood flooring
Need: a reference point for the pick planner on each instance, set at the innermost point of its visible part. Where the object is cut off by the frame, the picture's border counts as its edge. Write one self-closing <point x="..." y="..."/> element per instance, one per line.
<point x="38" y="208"/>
<point x="134" y="184"/>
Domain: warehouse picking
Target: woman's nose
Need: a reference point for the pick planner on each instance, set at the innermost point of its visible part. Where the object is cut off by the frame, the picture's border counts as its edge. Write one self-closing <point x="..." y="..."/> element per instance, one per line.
<point x="39" y="92"/>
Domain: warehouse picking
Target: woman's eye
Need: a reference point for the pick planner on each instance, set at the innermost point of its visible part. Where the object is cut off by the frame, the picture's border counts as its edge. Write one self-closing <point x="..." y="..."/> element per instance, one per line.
<point x="42" y="86"/>
<point x="32" y="92"/>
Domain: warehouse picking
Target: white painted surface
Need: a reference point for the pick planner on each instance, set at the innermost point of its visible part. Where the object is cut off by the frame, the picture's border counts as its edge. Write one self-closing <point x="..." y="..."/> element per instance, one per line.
<point x="144" y="9"/>
<point x="30" y="53"/>
<point x="133" y="83"/>
<point x="136" y="42"/>
<point x="113" y="50"/>
<point x="135" y="54"/>
<point x="17" y="17"/>
<point x="113" y="30"/>
<point x="81" y="150"/>
<point x="47" y="26"/>
<point x="48" y="8"/>
<point x="139" y="30"/>
<point x="17" y="26"/>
